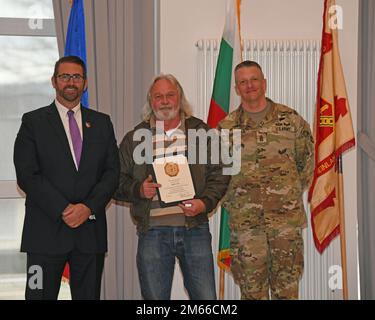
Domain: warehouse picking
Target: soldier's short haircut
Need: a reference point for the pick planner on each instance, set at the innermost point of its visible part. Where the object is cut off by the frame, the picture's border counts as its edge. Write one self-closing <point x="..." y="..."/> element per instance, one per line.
<point x="248" y="64"/>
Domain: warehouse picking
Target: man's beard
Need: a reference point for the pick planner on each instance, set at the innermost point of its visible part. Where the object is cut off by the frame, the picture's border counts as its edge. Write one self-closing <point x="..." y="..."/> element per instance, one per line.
<point x="72" y="95"/>
<point x="166" y="113"/>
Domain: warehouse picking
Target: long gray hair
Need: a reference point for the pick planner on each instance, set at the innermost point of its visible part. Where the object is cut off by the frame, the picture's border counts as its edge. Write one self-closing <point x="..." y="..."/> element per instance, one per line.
<point x="185" y="106"/>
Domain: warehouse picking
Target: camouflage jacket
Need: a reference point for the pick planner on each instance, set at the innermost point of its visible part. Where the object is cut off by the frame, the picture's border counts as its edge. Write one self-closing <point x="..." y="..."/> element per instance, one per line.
<point x="277" y="161"/>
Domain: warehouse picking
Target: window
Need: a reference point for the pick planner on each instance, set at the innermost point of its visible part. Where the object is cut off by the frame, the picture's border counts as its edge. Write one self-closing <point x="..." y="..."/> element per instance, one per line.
<point x="26" y="9"/>
<point x="27" y="56"/>
<point x="26" y="65"/>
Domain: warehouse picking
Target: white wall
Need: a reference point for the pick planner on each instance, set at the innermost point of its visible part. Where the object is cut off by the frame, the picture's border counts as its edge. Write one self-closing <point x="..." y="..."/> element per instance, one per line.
<point x="183" y="22"/>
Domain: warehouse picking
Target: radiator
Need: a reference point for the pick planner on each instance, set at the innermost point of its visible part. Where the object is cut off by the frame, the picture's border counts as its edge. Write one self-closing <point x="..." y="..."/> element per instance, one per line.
<point x="291" y="68"/>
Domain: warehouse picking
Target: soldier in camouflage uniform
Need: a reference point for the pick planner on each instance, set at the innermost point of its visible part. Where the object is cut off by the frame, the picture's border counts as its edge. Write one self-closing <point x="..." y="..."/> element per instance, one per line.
<point x="264" y="200"/>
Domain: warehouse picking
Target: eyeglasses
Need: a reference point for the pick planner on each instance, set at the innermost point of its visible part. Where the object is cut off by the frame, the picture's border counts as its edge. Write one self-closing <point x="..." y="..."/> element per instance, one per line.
<point x="65" y="77"/>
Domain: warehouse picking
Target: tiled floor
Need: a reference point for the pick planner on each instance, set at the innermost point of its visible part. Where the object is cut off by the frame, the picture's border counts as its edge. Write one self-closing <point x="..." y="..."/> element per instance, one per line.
<point x="12" y="287"/>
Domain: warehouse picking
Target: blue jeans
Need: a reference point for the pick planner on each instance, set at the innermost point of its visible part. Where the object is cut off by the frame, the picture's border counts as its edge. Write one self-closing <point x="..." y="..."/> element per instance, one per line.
<point x="157" y="250"/>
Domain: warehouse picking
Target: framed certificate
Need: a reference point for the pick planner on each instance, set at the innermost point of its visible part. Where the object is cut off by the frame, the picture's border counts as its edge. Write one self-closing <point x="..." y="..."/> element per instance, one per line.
<point x="173" y="173"/>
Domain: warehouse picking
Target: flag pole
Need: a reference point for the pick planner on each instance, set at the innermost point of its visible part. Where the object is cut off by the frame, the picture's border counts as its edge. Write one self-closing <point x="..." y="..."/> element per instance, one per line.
<point x="220" y="105"/>
<point x="342" y="230"/>
<point x="221" y="284"/>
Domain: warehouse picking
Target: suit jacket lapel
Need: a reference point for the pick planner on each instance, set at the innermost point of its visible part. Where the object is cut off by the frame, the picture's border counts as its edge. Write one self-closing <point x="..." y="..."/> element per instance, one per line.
<point x="86" y="130"/>
<point x="56" y="123"/>
<point x="55" y="120"/>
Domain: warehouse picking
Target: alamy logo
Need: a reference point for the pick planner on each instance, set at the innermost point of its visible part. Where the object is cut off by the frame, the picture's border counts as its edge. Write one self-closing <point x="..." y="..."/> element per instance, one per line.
<point x="35" y="14"/>
<point x="335" y="281"/>
<point x="35" y="273"/>
<point x="222" y="147"/>
<point x="336" y="20"/>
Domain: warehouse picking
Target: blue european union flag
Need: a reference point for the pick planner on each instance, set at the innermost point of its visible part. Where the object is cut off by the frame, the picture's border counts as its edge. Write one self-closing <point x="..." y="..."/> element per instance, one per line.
<point x="76" y="39"/>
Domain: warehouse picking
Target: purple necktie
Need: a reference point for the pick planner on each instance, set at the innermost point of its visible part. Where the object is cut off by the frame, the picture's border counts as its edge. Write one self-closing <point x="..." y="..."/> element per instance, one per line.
<point x="76" y="136"/>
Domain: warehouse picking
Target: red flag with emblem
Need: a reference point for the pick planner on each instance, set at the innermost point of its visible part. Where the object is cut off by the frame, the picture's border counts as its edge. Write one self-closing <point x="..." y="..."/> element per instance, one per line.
<point x="333" y="131"/>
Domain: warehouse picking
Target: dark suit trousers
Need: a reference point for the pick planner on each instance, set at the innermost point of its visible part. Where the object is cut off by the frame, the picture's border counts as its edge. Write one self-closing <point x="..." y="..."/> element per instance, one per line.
<point x="85" y="275"/>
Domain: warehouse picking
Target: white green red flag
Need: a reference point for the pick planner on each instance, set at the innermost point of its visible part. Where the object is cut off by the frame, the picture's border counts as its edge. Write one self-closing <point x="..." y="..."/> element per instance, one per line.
<point x="333" y="132"/>
<point x="223" y="100"/>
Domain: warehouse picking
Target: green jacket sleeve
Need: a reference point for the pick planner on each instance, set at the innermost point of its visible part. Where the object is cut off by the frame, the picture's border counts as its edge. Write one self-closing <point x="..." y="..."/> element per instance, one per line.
<point x="305" y="159"/>
<point x="216" y="182"/>
<point x="129" y="187"/>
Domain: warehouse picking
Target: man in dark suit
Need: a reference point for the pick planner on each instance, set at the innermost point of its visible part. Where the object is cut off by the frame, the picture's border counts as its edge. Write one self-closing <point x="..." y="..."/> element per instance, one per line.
<point x="66" y="161"/>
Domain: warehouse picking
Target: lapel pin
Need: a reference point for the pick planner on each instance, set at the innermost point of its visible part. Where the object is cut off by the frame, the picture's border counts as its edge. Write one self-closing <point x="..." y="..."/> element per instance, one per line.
<point x="88" y="125"/>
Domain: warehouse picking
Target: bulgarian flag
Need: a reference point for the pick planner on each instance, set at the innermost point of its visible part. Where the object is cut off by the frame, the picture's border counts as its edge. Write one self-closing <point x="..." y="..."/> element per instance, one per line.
<point x="76" y="46"/>
<point x="333" y="131"/>
<point x="223" y="101"/>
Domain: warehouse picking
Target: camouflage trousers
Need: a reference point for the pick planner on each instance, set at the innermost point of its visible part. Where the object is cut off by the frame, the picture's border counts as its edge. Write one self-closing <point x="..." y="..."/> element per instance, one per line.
<point x="267" y="261"/>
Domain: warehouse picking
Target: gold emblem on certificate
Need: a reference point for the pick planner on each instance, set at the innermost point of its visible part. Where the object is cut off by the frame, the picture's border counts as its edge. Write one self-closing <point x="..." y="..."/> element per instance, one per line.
<point x="171" y="169"/>
<point x="173" y="173"/>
